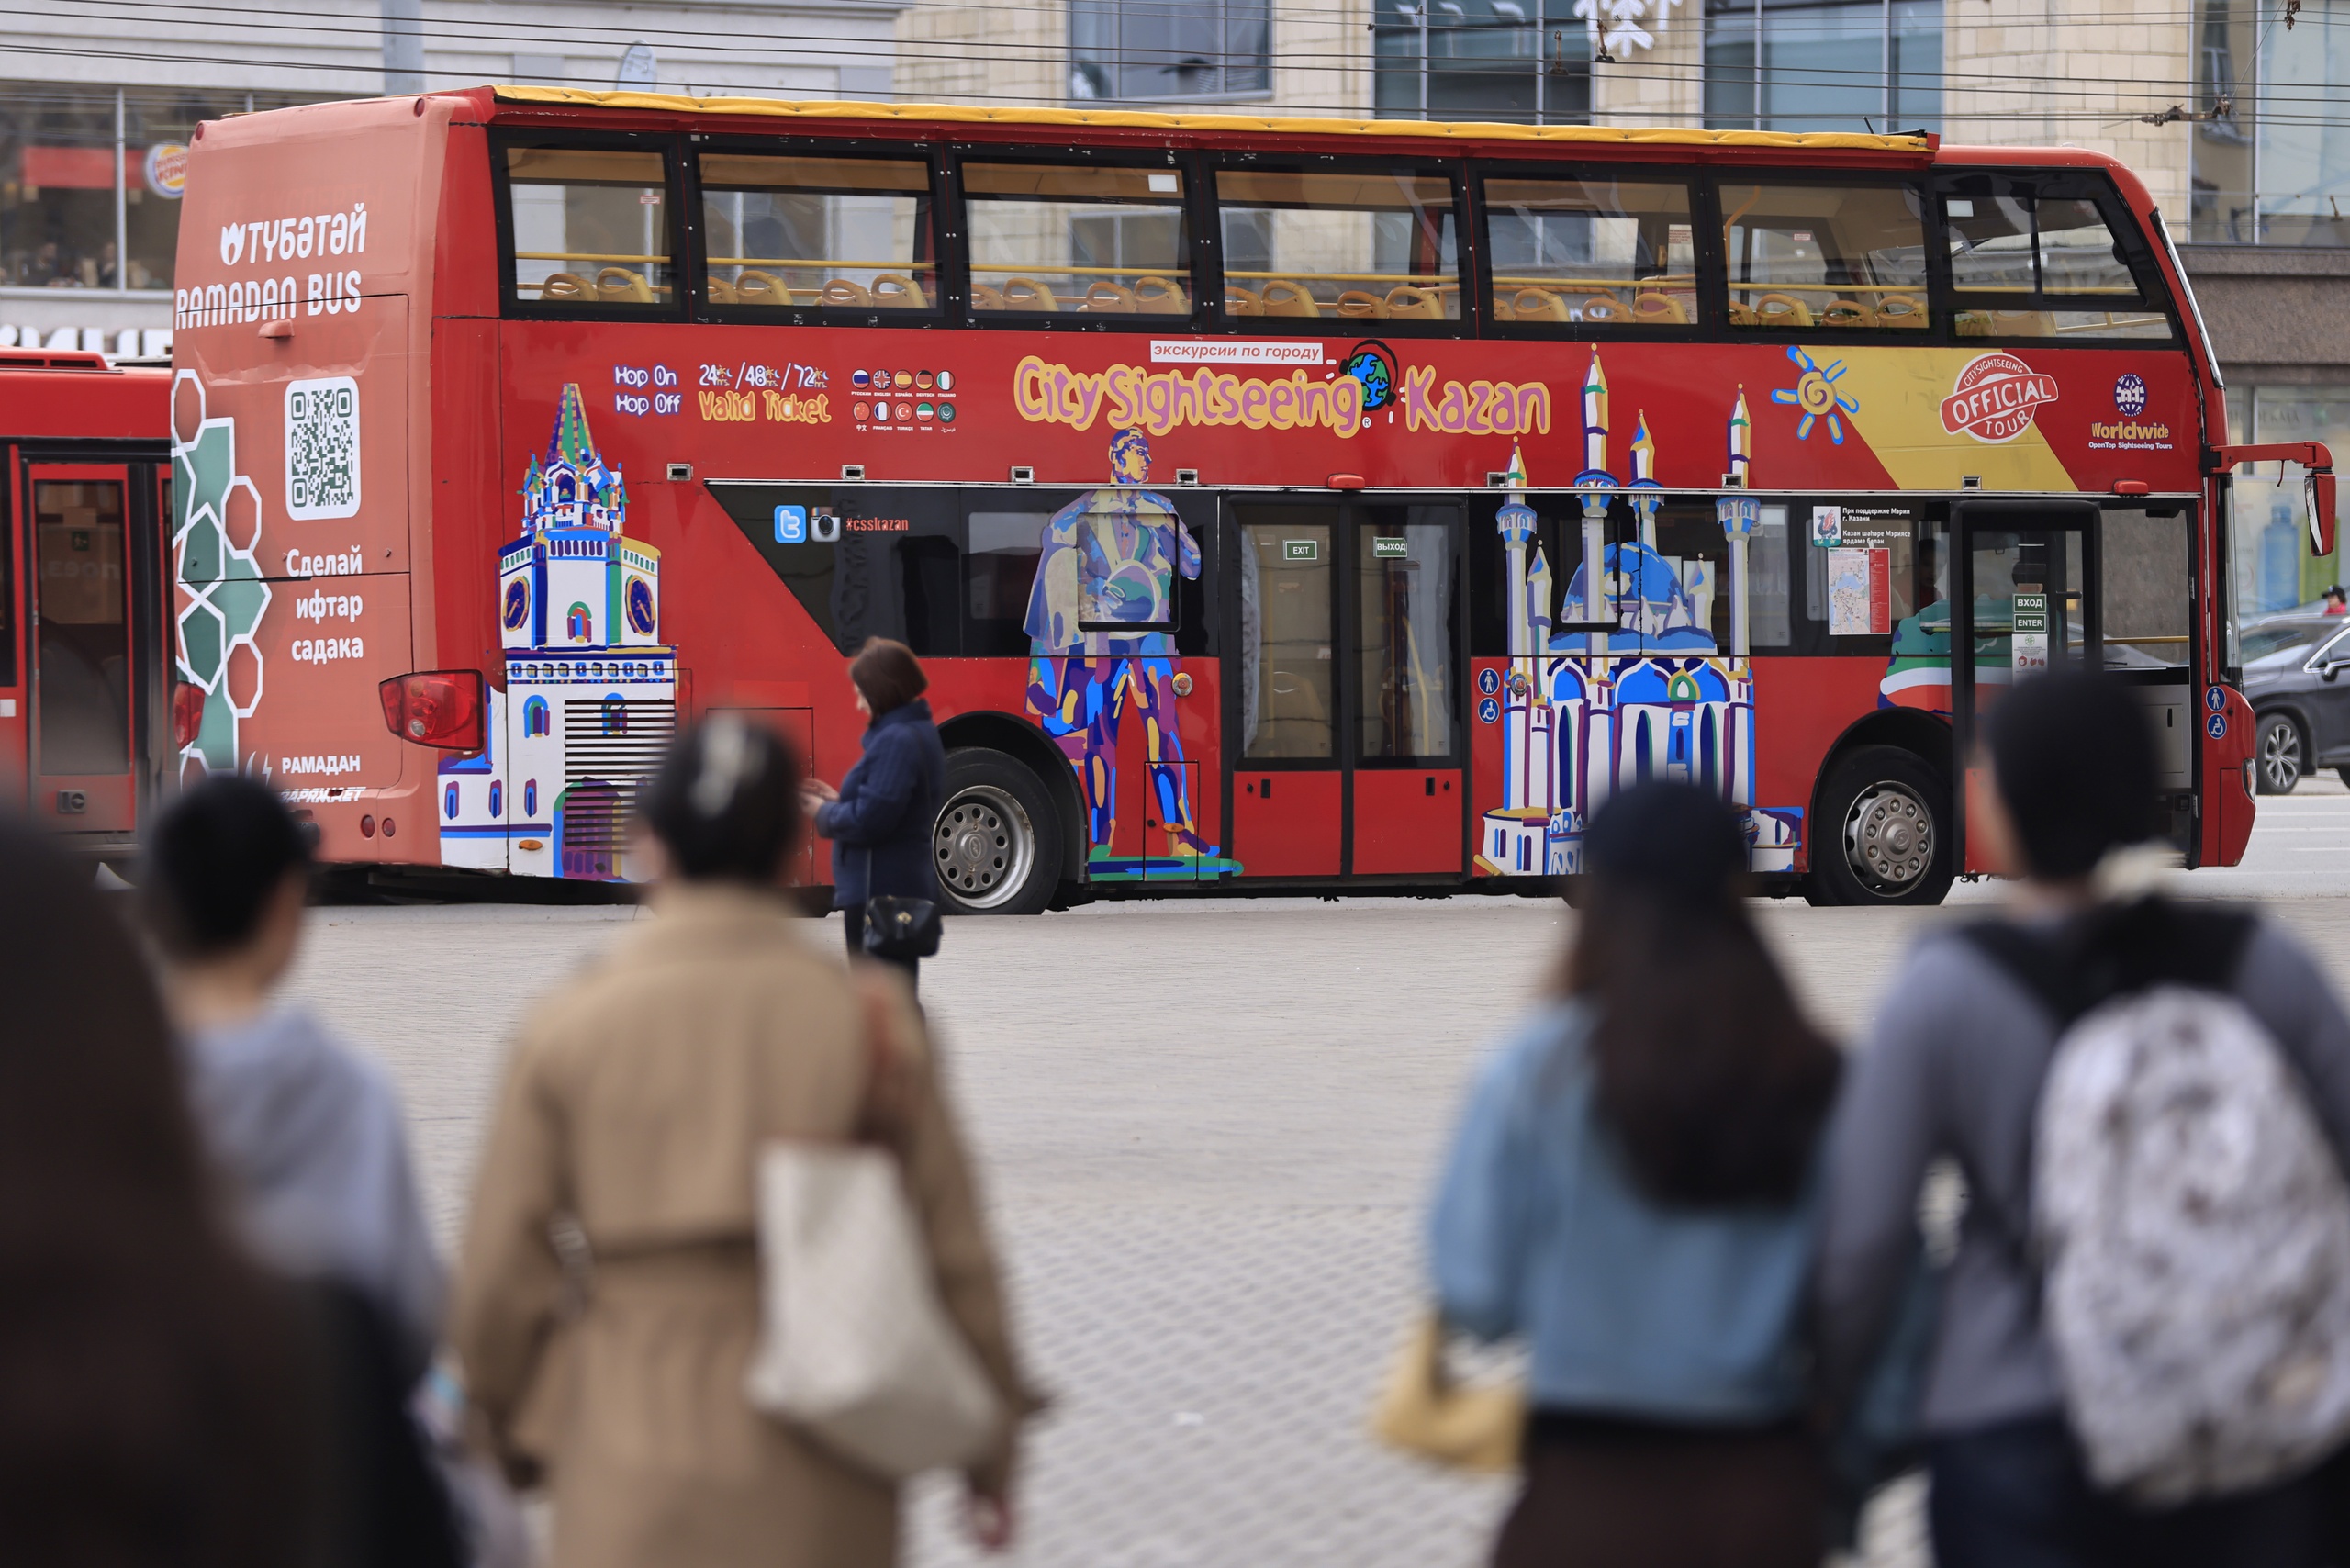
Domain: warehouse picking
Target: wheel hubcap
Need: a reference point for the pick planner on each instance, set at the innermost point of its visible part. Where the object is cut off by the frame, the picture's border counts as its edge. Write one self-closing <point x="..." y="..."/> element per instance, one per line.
<point x="984" y="845"/>
<point x="1889" y="838"/>
<point x="2280" y="757"/>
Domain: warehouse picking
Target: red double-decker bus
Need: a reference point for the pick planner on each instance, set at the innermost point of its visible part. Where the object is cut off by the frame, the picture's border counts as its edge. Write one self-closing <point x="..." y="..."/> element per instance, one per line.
<point x="1277" y="503"/>
<point x="86" y="736"/>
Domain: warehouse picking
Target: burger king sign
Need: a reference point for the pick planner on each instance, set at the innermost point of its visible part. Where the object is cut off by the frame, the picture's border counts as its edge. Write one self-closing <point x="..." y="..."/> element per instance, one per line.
<point x="1995" y="396"/>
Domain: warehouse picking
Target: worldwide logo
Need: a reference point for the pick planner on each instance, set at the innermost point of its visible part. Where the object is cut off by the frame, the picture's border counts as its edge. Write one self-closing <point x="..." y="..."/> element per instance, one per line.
<point x="1995" y="398"/>
<point x="2129" y="397"/>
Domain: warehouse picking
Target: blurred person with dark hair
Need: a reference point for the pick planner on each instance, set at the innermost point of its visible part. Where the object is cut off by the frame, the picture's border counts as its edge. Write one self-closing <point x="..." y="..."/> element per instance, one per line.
<point x="154" y="1387"/>
<point x="1633" y="1191"/>
<point x="308" y="1133"/>
<point x="880" y="818"/>
<point x="635" y="1110"/>
<point x="1954" y="1066"/>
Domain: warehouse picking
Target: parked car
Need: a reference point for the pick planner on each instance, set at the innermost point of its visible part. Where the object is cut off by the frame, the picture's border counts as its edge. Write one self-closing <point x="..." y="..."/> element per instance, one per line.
<point x="2297" y="676"/>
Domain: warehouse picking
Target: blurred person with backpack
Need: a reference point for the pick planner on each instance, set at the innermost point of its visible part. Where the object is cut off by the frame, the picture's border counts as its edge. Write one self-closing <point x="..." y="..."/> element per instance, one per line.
<point x="2141" y="1352"/>
<point x="881" y="817"/>
<point x="636" y="1110"/>
<point x="308" y="1133"/>
<point x="312" y="1151"/>
<point x="155" y="1398"/>
<point x="1634" y="1191"/>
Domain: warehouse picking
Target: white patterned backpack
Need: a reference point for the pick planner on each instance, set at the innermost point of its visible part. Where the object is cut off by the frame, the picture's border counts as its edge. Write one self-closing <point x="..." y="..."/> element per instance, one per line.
<point x="2191" y="1221"/>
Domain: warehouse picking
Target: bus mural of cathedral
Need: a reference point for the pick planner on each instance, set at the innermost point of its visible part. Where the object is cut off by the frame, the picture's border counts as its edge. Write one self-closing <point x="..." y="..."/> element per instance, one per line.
<point x="1586" y="711"/>
<point x="591" y="691"/>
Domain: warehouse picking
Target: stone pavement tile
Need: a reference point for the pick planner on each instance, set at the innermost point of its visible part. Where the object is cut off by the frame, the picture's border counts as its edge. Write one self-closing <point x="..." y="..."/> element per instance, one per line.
<point x="1212" y="1371"/>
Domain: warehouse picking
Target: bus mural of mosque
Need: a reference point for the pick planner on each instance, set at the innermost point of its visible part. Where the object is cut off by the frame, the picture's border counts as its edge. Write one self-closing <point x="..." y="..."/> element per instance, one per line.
<point x="1599" y="697"/>
<point x="591" y="691"/>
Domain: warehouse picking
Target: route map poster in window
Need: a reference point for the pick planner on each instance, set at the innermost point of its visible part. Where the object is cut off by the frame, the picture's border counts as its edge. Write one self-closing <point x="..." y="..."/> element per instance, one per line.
<point x="1859" y="592"/>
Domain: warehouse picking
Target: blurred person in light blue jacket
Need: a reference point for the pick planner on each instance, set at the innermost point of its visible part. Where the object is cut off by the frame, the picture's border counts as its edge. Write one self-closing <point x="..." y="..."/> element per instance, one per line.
<point x="1634" y="1192"/>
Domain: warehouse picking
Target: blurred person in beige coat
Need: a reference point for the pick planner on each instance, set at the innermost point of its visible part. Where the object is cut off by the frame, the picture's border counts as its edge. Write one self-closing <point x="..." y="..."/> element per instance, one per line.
<point x="607" y="1305"/>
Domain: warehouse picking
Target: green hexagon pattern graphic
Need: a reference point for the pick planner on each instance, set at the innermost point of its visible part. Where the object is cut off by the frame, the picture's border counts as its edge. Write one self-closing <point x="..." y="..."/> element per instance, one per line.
<point x="221" y="594"/>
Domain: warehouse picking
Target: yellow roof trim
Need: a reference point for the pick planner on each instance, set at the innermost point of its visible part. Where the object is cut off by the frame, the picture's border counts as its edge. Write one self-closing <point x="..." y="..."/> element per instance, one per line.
<point x="1131" y="119"/>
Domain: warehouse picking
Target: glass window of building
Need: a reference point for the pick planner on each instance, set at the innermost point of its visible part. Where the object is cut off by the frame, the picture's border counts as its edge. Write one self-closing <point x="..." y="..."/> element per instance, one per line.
<point x="1842" y="258"/>
<point x="591" y="226"/>
<point x="1077" y="239"/>
<point x="2271" y="163"/>
<point x="1373" y="244"/>
<point x="2031" y="259"/>
<point x="2268" y="535"/>
<point x="1599" y="251"/>
<point x="1866" y="65"/>
<point x="837" y="233"/>
<point x="158" y="126"/>
<point x="1521" y="61"/>
<point x="57" y="205"/>
<point x="91" y="177"/>
<point x="1170" y="49"/>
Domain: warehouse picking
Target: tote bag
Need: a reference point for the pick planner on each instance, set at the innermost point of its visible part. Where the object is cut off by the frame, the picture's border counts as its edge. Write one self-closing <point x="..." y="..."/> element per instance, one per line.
<point x="856" y="1348"/>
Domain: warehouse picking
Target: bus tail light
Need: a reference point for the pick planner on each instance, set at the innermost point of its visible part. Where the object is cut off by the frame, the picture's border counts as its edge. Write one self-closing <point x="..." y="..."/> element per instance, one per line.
<point x="187" y="714"/>
<point x="436" y="707"/>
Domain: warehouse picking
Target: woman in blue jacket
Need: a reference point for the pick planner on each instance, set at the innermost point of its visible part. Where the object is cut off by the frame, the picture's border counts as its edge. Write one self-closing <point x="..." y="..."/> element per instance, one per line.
<point x="1634" y="1192"/>
<point x="879" y="819"/>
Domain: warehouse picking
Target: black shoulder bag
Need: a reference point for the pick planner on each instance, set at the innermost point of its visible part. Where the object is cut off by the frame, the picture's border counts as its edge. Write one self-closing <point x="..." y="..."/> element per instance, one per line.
<point x="896" y="928"/>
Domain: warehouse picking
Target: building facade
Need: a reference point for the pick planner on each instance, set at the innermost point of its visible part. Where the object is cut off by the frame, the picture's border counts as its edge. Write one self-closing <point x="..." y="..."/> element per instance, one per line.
<point x="97" y="106"/>
<point x="2235" y="112"/>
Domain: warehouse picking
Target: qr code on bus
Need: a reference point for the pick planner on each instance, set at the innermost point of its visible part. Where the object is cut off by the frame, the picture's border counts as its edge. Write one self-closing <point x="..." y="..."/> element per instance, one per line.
<point x="322" y="448"/>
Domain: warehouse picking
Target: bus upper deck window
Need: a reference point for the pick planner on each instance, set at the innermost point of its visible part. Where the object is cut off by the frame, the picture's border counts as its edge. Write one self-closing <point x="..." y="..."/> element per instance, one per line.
<point x="2031" y="258"/>
<point x="1821" y="257"/>
<point x="1596" y="251"/>
<point x="1373" y="244"/>
<point x="591" y="228"/>
<point x="832" y="233"/>
<point x="1060" y="239"/>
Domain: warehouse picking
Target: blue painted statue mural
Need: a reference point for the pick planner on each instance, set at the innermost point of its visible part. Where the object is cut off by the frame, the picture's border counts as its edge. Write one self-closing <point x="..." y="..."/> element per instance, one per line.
<point x="1101" y="622"/>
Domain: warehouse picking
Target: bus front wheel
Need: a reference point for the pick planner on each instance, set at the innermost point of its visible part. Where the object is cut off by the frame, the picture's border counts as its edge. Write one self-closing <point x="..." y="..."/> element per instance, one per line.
<point x="1882" y="833"/>
<point x="997" y="844"/>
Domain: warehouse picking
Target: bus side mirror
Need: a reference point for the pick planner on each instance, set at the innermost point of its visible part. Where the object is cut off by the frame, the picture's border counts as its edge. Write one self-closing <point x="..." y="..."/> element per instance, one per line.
<point x="2321" y="499"/>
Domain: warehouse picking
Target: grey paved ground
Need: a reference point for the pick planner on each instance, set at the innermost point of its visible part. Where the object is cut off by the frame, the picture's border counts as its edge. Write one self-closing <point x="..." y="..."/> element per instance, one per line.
<point x="1207" y="1181"/>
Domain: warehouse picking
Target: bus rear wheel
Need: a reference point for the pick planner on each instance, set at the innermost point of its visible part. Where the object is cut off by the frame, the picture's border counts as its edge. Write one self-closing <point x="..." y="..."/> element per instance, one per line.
<point x="1882" y="835"/>
<point x="997" y="844"/>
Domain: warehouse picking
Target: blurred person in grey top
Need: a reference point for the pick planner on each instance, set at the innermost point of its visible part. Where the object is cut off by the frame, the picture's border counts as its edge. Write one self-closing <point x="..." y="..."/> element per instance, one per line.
<point x="307" y="1135"/>
<point x="1954" y="1067"/>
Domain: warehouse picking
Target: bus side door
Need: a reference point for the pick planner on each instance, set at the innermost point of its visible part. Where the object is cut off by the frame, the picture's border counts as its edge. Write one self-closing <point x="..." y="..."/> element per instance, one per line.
<point x="1404" y="640"/>
<point x="84" y="694"/>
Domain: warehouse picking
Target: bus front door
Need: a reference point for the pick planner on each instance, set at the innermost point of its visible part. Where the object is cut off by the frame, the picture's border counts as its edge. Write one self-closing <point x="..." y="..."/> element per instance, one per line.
<point x="2023" y="598"/>
<point x="83" y="689"/>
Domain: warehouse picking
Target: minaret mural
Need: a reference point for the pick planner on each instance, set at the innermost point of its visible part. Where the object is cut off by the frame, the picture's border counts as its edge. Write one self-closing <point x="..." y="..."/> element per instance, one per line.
<point x="590" y="700"/>
<point x="1585" y="712"/>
